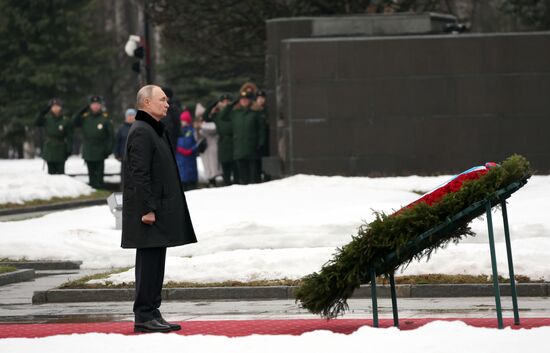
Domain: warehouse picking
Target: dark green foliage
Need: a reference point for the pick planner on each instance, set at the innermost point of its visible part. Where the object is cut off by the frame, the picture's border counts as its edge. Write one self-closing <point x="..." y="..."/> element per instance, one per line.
<point x="326" y="292"/>
<point x="533" y="13"/>
<point x="213" y="47"/>
<point x="47" y="51"/>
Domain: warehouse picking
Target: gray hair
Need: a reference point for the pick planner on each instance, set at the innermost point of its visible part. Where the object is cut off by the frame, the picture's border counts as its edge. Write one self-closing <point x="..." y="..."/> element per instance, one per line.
<point x="144" y="92"/>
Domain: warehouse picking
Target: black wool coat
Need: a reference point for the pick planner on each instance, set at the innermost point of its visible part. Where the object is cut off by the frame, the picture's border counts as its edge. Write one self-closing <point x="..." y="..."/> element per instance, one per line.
<point x="151" y="183"/>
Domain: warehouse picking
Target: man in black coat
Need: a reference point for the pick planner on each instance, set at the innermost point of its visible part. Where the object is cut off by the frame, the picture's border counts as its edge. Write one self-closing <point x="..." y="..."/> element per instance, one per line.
<point x="172" y="121"/>
<point x="154" y="213"/>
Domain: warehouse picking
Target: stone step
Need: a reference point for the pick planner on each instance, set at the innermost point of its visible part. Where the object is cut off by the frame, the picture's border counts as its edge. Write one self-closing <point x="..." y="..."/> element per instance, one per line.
<point x="44" y="265"/>
<point x="44" y="273"/>
<point x="287" y="292"/>
<point x="55" y="206"/>
<point x="16" y="276"/>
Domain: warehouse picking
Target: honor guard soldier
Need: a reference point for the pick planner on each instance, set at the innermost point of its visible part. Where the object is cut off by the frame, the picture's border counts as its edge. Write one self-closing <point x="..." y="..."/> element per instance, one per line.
<point x="58" y="131"/>
<point x="218" y="112"/>
<point x="260" y="107"/>
<point x="248" y="136"/>
<point x="98" y="136"/>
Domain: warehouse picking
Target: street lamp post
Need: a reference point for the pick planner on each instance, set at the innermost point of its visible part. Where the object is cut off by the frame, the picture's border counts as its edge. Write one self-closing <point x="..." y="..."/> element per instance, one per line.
<point x="147" y="43"/>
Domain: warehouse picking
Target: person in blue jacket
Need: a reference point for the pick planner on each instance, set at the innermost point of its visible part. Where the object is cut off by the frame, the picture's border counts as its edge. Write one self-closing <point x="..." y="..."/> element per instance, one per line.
<point x="186" y="153"/>
<point x="122" y="133"/>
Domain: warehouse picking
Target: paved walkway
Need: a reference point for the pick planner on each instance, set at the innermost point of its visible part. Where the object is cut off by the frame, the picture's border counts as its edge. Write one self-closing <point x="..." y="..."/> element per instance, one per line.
<point x="20" y="318"/>
<point x="269" y="309"/>
<point x="16" y="307"/>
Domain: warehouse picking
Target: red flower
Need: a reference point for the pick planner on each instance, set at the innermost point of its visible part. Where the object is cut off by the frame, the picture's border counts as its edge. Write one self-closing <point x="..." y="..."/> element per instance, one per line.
<point x="451" y="186"/>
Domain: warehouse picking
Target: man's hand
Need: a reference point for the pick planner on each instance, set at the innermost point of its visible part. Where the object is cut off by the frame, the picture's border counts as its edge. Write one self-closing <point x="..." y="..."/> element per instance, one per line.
<point x="45" y="110"/>
<point x="148" y="218"/>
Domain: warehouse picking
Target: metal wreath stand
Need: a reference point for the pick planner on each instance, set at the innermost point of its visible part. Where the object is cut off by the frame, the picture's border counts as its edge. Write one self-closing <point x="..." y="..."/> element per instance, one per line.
<point x="423" y="240"/>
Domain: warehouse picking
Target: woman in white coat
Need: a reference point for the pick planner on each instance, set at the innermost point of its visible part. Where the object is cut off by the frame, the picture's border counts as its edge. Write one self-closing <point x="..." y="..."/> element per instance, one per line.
<point x="212" y="167"/>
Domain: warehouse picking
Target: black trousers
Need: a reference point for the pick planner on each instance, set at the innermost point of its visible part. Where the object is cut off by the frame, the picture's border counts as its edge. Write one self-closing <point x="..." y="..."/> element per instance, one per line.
<point x="230" y="174"/>
<point x="95" y="173"/>
<point x="56" y="167"/>
<point x="149" y="277"/>
<point x="248" y="171"/>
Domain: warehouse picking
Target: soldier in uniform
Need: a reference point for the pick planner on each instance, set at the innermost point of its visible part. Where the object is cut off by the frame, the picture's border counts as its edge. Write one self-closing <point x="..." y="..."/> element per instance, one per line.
<point x="59" y="136"/>
<point x="219" y="114"/>
<point x="260" y="107"/>
<point x="248" y="137"/>
<point x="98" y="136"/>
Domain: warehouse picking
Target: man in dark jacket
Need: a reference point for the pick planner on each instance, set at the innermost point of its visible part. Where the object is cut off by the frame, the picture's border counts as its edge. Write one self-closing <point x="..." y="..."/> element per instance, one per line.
<point x="154" y="214"/>
<point x="98" y="133"/>
<point x="59" y="136"/>
<point x="172" y="120"/>
<point x="122" y="133"/>
<point x="220" y="115"/>
<point x="260" y="107"/>
<point x="248" y="138"/>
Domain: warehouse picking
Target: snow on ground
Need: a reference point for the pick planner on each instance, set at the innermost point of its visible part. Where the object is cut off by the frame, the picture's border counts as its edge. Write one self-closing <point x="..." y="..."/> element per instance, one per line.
<point x="23" y="180"/>
<point x="285" y="229"/>
<point x="76" y="165"/>
<point x="438" y="336"/>
<point x="26" y="180"/>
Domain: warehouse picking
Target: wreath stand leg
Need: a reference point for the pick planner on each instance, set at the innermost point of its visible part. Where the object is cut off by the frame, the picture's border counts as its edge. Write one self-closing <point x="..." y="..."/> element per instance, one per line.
<point x="510" y="262"/>
<point x="496" y="287"/>
<point x="373" y="296"/>
<point x="394" y="301"/>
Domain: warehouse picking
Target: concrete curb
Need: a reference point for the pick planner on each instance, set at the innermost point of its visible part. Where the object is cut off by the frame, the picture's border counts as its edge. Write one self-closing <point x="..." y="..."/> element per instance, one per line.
<point x="286" y="292"/>
<point x="16" y="276"/>
<point x="57" y="206"/>
<point x="44" y="265"/>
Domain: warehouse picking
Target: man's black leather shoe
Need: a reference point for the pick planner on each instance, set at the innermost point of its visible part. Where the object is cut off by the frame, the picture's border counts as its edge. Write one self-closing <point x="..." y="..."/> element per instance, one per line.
<point x="173" y="327"/>
<point x="151" y="326"/>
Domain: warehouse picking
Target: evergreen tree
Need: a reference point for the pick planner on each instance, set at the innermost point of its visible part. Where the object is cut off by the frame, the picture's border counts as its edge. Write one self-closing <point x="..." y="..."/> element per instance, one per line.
<point x="46" y="52"/>
<point x="215" y="46"/>
<point x="533" y="13"/>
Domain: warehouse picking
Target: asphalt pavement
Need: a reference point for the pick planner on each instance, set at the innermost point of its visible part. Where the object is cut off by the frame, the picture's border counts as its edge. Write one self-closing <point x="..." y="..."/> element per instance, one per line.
<point x="16" y="306"/>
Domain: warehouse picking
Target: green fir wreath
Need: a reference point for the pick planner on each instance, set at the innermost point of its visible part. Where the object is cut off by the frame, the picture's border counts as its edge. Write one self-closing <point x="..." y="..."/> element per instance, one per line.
<point x="326" y="292"/>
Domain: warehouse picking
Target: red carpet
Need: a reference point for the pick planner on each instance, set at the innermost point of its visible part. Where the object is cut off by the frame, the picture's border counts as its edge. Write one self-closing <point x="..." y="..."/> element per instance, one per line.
<point x="235" y="328"/>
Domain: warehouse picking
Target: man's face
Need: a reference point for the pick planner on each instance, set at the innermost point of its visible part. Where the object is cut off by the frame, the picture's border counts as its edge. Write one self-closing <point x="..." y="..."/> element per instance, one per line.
<point x="157" y="105"/>
<point x="95" y="107"/>
<point x="56" y="109"/>
<point x="224" y="103"/>
<point x="130" y="119"/>
<point x="245" y="102"/>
